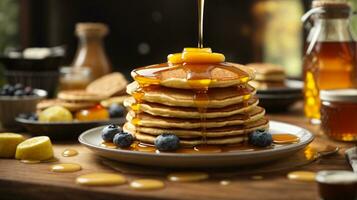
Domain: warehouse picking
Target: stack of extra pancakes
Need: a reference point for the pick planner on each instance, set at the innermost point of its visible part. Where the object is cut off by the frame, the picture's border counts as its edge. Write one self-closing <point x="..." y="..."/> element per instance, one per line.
<point x="202" y="103"/>
<point x="268" y="76"/>
<point x="109" y="88"/>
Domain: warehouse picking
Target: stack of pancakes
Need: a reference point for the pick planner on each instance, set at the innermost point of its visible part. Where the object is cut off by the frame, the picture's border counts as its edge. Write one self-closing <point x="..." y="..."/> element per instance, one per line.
<point x="105" y="90"/>
<point x="230" y="111"/>
<point x="268" y="76"/>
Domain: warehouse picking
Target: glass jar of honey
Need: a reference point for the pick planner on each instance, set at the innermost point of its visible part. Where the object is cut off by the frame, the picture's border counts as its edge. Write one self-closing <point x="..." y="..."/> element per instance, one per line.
<point x="339" y="114"/>
<point x="330" y="56"/>
<point x="91" y="53"/>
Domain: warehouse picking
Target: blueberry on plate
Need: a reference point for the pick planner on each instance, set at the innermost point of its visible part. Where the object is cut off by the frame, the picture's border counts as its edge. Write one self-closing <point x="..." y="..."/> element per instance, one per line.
<point x="32" y="117"/>
<point x="260" y="138"/>
<point x="116" y="110"/>
<point x="123" y="139"/>
<point x="109" y="132"/>
<point x="167" y="142"/>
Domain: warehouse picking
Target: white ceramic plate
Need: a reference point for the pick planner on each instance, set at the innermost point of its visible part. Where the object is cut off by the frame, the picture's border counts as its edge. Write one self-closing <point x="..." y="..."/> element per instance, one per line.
<point x="92" y="139"/>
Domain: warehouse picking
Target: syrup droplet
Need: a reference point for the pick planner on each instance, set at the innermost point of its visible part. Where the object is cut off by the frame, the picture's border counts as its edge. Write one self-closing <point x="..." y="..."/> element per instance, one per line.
<point x="66" y="167"/>
<point x="101" y="179"/>
<point x="302" y="176"/>
<point x="225" y="182"/>
<point x="69" y="153"/>
<point x="109" y="145"/>
<point x="30" y="161"/>
<point x="208" y="149"/>
<point x="285" y="138"/>
<point x="50" y="160"/>
<point x="187" y="176"/>
<point x="147" y="184"/>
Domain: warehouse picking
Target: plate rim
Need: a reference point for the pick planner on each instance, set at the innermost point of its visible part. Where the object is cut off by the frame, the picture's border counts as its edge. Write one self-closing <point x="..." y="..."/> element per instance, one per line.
<point x="290" y="147"/>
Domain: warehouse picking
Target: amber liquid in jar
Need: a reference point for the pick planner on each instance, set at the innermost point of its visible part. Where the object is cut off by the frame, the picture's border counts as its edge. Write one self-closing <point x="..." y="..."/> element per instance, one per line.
<point x="339" y="120"/>
<point x="331" y="65"/>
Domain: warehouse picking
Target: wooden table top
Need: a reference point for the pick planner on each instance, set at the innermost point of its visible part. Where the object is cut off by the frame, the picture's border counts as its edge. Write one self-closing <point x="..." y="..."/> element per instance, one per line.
<point x="35" y="181"/>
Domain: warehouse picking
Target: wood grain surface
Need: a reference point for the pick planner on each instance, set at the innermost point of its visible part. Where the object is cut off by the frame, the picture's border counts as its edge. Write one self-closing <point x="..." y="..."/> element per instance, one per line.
<point x="35" y="181"/>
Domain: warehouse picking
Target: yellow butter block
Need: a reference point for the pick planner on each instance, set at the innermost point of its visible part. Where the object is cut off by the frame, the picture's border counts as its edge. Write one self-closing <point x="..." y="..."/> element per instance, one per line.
<point x="202" y="57"/>
<point x="175" y="58"/>
<point x="8" y="144"/>
<point x="36" y="148"/>
<point x="205" y="50"/>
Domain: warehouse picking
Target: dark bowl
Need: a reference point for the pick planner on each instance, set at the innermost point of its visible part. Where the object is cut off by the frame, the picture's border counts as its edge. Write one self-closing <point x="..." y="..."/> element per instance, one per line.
<point x="64" y="130"/>
<point x="281" y="99"/>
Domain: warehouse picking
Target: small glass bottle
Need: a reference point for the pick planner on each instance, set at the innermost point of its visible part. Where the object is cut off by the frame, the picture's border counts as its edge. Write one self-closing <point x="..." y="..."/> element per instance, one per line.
<point x="90" y="52"/>
<point x="330" y="57"/>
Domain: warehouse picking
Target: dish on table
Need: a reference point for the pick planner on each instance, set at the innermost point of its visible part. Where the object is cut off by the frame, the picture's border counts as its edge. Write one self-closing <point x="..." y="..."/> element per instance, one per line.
<point x="63" y="130"/>
<point x="92" y="139"/>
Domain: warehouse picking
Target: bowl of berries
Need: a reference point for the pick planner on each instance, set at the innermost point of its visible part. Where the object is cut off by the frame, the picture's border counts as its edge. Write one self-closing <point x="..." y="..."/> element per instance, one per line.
<point x="16" y="99"/>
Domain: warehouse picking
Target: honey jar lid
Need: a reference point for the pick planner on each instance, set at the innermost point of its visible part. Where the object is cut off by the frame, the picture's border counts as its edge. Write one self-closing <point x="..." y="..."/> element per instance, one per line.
<point x="339" y="95"/>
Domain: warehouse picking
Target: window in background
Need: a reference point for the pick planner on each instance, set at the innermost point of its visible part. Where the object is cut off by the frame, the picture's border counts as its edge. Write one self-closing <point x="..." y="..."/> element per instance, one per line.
<point x="278" y="33"/>
<point x="9" y="27"/>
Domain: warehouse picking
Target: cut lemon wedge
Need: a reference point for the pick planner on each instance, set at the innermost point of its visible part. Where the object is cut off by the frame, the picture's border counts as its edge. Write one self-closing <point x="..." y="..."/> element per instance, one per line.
<point x="8" y="144"/>
<point x="36" y="148"/>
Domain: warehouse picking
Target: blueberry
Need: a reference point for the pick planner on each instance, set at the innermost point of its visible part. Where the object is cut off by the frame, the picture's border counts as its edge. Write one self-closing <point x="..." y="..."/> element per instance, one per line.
<point x="260" y="138"/>
<point x="108" y="132"/>
<point x="123" y="139"/>
<point x="19" y="93"/>
<point x="18" y="86"/>
<point x="32" y="117"/>
<point x="116" y="110"/>
<point x="9" y="90"/>
<point x="167" y="142"/>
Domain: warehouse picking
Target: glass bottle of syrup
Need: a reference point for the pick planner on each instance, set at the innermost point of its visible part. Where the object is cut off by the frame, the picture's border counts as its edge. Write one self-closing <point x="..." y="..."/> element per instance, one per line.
<point x="330" y="57"/>
<point x="90" y="52"/>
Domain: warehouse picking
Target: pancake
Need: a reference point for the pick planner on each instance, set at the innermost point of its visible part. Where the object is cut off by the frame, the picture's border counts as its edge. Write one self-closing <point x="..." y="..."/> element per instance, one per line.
<point x="108" y="85"/>
<point x="209" y="132"/>
<point x="145" y="138"/>
<point x="176" y="76"/>
<point x="80" y="95"/>
<point x="71" y="106"/>
<point x="114" y="100"/>
<point x="146" y="120"/>
<point x="218" y="97"/>
<point x="189" y="112"/>
<point x="268" y="72"/>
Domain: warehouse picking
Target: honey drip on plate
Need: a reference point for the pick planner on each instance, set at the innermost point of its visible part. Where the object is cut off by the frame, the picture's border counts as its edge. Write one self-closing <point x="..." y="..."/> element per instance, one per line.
<point x="285" y="138"/>
<point x="147" y="184"/>
<point x="101" y="179"/>
<point x="187" y="176"/>
<point x="305" y="176"/>
<point x="30" y="161"/>
<point x="66" y="167"/>
<point x="69" y="153"/>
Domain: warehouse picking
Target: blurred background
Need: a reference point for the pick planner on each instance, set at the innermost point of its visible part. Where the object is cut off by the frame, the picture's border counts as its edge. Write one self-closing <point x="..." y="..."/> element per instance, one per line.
<point x="146" y="31"/>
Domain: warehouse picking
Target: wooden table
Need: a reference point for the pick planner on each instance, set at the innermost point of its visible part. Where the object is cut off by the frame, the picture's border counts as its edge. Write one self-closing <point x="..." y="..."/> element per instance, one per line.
<point x="35" y="181"/>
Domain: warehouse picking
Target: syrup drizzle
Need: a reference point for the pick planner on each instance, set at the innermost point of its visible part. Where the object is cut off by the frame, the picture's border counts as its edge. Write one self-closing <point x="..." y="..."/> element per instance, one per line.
<point x="201" y="6"/>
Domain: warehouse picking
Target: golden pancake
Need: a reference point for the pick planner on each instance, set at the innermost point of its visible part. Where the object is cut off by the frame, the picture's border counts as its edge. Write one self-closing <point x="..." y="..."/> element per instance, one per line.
<point x="179" y="76"/>
<point x="114" y="100"/>
<point x="190" y="112"/>
<point x="71" y="106"/>
<point x="268" y="72"/>
<point x="108" y="85"/>
<point x="80" y="95"/>
<point x="186" y="142"/>
<point x="217" y="97"/>
<point x="209" y="132"/>
<point x="147" y="120"/>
